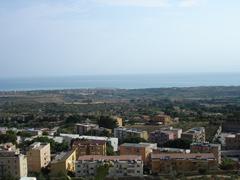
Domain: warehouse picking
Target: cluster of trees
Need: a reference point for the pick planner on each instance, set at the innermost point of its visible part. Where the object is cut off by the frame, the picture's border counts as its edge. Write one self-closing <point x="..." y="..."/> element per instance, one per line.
<point x="178" y="143"/>
<point x="10" y="136"/>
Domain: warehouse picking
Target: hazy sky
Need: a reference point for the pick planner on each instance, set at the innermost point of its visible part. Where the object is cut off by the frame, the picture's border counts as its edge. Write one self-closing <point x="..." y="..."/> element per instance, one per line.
<point x="75" y="37"/>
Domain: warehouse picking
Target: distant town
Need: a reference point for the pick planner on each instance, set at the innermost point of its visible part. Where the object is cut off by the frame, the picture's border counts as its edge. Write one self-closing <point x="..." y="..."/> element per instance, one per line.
<point x="172" y="133"/>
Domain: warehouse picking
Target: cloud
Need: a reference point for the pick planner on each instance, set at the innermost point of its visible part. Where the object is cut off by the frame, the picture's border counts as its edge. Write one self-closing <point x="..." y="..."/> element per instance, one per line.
<point x="138" y="3"/>
<point x="189" y="3"/>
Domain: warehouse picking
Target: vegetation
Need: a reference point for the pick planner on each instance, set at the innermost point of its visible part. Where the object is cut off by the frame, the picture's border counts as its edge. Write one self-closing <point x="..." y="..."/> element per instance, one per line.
<point x="10" y="136"/>
<point x="228" y="164"/>
<point x="55" y="146"/>
<point x="107" y="122"/>
<point x="178" y="143"/>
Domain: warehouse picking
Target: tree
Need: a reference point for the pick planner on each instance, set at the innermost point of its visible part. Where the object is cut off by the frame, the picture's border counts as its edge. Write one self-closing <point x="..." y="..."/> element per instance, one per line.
<point x="228" y="164"/>
<point x="178" y="143"/>
<point x="107" y="122"/>
<point x="102" y="172"/>
<point x="109" y="150"/>
<point x="134" y="140"/>
<point x="8" y="137"/>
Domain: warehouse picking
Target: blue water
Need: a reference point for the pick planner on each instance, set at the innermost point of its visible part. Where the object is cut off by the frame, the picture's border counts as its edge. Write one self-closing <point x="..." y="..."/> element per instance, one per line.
<point x="121" y="81"/>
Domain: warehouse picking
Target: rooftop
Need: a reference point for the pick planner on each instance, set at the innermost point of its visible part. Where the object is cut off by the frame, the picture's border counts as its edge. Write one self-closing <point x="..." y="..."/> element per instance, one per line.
<point x="130" y="129"/>
<point x="195" y="130"/>
<point x="62" y="156"/>
<point x="183" y="156"/>
<point x="38" y="145"/>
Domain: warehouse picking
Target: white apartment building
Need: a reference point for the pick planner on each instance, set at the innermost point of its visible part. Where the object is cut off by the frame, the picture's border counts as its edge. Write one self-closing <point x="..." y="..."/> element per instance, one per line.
<point x="119" y="166"/>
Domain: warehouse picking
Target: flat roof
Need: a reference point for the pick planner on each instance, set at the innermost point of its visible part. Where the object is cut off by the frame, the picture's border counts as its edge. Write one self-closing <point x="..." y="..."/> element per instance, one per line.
<point x="185" y="156"/>
<point x="62" y="156"/>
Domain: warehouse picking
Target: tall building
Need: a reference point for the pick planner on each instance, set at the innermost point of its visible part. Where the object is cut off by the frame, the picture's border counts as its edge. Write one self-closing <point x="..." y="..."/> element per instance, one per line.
<point x="89" y="147"/>
<point x="168" y="162"/>
<point x="142" y="149"/>
<point x="64" y="163"/>
<point x="124" y="133"/>
<point x="111" y="140"/>
<point x="118" y="166"/>
<point x="38" y="156"/>
<point x="12" y="163"/>
<point x="196" y="134"/>
<point x="82" y="129"/>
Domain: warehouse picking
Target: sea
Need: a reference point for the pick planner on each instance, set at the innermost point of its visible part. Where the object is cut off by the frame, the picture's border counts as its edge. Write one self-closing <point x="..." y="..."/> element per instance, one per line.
<point x="136" y="81"/>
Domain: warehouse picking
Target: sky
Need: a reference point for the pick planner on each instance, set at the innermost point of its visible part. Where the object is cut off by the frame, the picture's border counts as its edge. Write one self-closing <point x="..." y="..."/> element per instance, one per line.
<point x="94" y="37"/>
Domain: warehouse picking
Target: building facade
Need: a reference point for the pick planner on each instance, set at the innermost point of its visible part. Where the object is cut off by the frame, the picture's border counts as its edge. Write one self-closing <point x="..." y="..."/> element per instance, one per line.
<point x="111" y="140"/>
<point x="12" y="163"/>
<point x="165" y="163"/>
<point x="142" y="149"/>
<point x="162" y="119"/>
<point x="64" y="162"/>
<point x="117" y="166"/>
<point x="38" y="156"/>
<point x="124" y="133"/>
<point x="196" y="134"/>
<point x="84" y="128"/>
<point x="232" y="142"/>
<point x="89" y="147"/>
<point x="207" y="148"/>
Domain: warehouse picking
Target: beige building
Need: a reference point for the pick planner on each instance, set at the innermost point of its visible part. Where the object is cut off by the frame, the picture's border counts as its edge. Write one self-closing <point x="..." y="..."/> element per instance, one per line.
<point x="64" y="163"/>
<point x="89" y="147"/>
<point x="12" y="162"/>
<point x="196" y="134"/>
<point x="163" y="119"/>
<point x="142" y="149"/>
<point x="39" y="156"/>
<point x="165" y="163"/>
<point x="124" y="133"/>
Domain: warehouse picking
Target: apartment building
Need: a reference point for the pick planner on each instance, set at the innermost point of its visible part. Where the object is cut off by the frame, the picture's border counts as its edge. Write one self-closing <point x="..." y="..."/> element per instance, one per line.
<point x="164" y="135"/>
<point x="196" y="134"/>
<point x="38" y="156"/>
<point x="162" y="119"/>
<point x="64" y="162"/>
<point x="82" y="129"/>
<point x="12" y="162"/>
<point x="207" y="148"/>
<point x="165" y="163"/>
<point x="111" y="140"/>
<point x="142" y="149"/>
<point x="89" y="147"/>
<point x="232" y="142"/>
<point x="124" y="133"/>
<point x="119" y="166"/>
